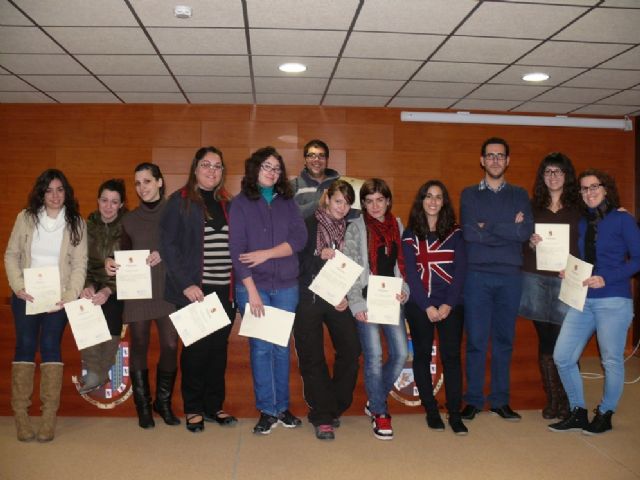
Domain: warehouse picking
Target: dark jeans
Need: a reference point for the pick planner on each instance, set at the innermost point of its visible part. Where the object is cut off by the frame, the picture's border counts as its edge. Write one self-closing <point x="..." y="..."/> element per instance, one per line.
<point x="113" y="309"/>
<point x="203" y="364"/>
<point x="450" y="337"/>
<point x="41" y="332"/>
<point x="327" y="396"/>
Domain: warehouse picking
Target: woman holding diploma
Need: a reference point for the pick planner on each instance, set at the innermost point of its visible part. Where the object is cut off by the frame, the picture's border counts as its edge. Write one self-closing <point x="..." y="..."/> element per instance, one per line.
<point x="555" y="201"/>
<point x="194" y="243"/>
<point x="104" y="231"/>
<point x="436" y="266"/>
<point x="141" y="231"/>
<point x="609" y="239"/>
<point x="374" y="242"/>
<point x="266" y="232"/>
<point x="49" y="232"/>
<point x="327" y="396"/>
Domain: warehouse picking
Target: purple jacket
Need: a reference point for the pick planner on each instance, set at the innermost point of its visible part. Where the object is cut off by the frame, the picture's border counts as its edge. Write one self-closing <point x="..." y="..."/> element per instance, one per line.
<point x="255" y="225"/>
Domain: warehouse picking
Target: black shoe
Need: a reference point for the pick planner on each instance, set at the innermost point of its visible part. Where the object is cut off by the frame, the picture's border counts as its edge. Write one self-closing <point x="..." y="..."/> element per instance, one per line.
<point x="335" y="423"/>
<point x="577" y="421"/>
<point x="434" y="421"/>
<point x="289" y="420"/>
<point x="469" y="412"/>
<point x="164" y="390"/>
<point x="194" y="427"/>
<point x="455" y="422"/>
<point x="324" y="432"/>
<point x="142" y="398"/>
<point x="265" y="423"/>
<point x="601" y="423"/>
<point x="220" y="417"/>
<point x="506" y="413"/>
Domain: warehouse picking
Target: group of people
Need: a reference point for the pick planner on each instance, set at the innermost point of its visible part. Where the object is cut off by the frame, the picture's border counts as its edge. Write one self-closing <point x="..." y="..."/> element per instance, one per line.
<point x="265" y="246"/>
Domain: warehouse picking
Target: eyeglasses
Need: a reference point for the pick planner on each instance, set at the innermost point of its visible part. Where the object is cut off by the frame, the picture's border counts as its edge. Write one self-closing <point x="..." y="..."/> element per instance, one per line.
<point x="553" y="173"/>
<point x="495" y="157"/>
<point x="590" y="189"/>
<point x="216" y="167"/>
<point x="269" y="169"/>
<point x="316" y="156"/>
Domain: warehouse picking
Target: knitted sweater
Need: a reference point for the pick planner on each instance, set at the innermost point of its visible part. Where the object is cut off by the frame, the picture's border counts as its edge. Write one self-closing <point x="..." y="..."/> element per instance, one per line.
<point x="308" y="191"/>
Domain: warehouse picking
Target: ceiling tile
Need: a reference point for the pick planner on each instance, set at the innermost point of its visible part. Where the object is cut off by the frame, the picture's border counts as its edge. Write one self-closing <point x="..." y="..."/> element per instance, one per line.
<point x="484" y="50"/>
<point x="628" y="97"/>
<point x="208" y="84"/>
<point x="102" y="40"/>
<point x="24" y="97"/>
<point x="290" y="85"/>
<point x="571" y="54"/>
<point x="284" y="99"/>
<point x="4" y="72"/>
<point x="507" y="92"/>
<point x="547" y="107"/>
<point x="11" y="15"/>
<point x="437" y="89"/>
<point x="420" y="102"/>
<point x="123" y="64"/>
<point x="267" y="66"/>
<point x="587" y="3"/>
<point x="391" y="45"/>
<point x="41" y="64"/>
<point x="476" y="104"/>
<point x="85" y="97"/>
<point x="606" y="110"/>
<point x="206" y="13"/>
<point x="355" y="100"/>
<point x="621" y="3"/>
<point x="623" y="25"/>
<point x="457" y="72"/>
<point x="141" y="83"/>
<point x="630" y="59"/>
<point x="207" y="41"/>
<point x="296" y="42"/>
<point x="557" y="75"/>
<point x="435" y="16"/>
<point x="304" y="14"/>
<point x="577" y="95"/>
<point x="228" y="98"/>
<point x="65" y="83"/>
<point x="515" y="20"/>
<point x="603" y="78"/>
<point x="208" y="64"/>
<point x="376" y="69"/>
<point x="113" y="13"/>
<point x="364" y="87"/>
<point x="11" y="83"/>
<point x="26" y="40"/>
<point x="143" y="97"/>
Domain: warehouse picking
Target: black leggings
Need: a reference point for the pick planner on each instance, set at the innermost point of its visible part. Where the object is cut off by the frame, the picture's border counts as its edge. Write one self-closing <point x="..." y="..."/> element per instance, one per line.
<point x="140" y="332"/>
<point x="547" y="336"/>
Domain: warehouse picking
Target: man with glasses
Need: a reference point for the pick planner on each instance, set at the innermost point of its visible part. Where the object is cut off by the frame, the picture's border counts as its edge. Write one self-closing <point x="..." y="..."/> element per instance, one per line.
<point x="314" y="178"/>
<point x="497" y="219"/>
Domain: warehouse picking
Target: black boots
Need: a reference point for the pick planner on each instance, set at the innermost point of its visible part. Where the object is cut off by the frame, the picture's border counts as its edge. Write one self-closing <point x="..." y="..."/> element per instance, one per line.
<point x="557" y="403"/>
<point x="164" y="389"/>
<point x="577" y="421"/>
<point x="601" y="423"/>
<point x="142" y="398"/>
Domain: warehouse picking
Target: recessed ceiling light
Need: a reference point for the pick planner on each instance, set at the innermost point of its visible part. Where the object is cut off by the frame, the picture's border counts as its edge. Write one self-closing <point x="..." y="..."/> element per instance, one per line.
<point x="535" y="77"/>
<point x="292" y="67"/>
<point x="182" y="11"/>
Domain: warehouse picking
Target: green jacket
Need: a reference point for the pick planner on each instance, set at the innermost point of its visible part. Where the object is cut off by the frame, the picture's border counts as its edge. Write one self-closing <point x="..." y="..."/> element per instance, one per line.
<point x="103" y="239"/>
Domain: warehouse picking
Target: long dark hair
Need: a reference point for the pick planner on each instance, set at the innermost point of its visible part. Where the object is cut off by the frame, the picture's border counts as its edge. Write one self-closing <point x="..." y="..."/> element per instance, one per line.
<point x="608" y="183"/>
<point x="570" y="196"/>
<point x="249" y="185"/>
<point x="155" y="173"/>
<point x="71" y="208"/>
<point x="418" y="219"/>
<point x="191" y="193"/>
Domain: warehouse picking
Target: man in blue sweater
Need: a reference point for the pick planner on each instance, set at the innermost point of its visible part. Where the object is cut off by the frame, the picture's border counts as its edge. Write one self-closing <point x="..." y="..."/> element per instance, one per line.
<point x="497" y="219"/>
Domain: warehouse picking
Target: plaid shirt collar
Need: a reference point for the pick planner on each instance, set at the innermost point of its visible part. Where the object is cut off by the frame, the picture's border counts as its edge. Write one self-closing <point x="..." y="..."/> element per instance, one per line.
<point x="484" y="186"/>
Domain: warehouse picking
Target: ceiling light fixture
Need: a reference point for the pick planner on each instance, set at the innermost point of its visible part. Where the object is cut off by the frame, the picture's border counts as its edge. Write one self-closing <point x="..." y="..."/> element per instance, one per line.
<point x="292" y="67"/>
<point x="537" y="121"/>
<point x="535" y="77"/>
<point x="182" y="11"/>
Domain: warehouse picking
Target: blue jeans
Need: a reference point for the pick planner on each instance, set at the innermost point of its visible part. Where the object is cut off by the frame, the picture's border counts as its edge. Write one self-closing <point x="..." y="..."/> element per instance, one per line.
<point x="379" y="377"/>
<point x="41" y="332"/>
<point x="490" y="306"/>
<point x="610" y="319"/>
<point x="270" y="362"/>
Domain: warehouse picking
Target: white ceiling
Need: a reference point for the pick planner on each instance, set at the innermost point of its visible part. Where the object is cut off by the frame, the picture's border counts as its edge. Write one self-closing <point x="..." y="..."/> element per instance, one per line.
<point x="455" y="54"/>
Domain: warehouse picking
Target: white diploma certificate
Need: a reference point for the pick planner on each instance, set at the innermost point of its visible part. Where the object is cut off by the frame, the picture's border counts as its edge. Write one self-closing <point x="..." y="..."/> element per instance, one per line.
<point x="382" y="304"/>
<point x="87" y="322"/>
<point x="43" y="284"/>
<point x="133" y="277"/>
<point x="572" y="292"/>
<point x="199" y="319"/>
<point x="275" y="326"/>
<point x="356" y="183"/>
<point x="335" y="278"/>
<point x="553" y="250"/>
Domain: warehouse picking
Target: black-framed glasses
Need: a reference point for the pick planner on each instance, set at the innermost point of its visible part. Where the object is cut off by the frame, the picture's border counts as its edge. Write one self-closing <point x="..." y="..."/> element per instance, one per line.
<point x="316" y="156"/>
<point x="553" y="172"/>
<point x="269" y="169"/>
<point x="590" y="189"/>
<point x="495" y="157"/>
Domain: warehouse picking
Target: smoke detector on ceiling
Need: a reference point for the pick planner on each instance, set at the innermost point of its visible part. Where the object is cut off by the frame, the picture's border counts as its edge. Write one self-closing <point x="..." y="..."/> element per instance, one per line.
<point x="182" y="11"/>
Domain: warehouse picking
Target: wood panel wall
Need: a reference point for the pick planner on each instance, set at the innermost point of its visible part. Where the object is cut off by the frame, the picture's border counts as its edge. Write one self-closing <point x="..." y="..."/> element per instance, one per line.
<point x="91" y="143"/>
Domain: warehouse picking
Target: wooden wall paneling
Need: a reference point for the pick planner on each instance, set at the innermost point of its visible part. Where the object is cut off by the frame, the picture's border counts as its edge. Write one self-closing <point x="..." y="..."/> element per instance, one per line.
<point x="281" y="135"/>
<point x="299" y="114"/>
<point x="151" y="133"/>
<point x="349" y="136"/>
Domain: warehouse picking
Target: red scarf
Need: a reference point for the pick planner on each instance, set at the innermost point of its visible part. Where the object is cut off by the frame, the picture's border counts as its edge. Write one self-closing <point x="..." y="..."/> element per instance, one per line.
<point x="385" y="233"/>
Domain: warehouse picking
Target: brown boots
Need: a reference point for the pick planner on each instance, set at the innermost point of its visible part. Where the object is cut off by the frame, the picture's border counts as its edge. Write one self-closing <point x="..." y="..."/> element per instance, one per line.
<point x="50" y="387"/>
<point x="557" y="403"/>
<point x="98" y="360"/>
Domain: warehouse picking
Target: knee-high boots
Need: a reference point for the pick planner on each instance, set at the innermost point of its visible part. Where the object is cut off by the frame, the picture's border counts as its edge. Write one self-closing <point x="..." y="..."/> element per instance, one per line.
<point x="21" y="391"/>
<point x="142" y="398"/>
<point x="50" y="387"/>
<point x="557" y="403"/>
<point x="165" y="382"/>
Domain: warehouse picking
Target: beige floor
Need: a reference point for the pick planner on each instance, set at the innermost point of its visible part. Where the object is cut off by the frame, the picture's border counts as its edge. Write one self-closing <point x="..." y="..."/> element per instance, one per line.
<point x="108" y="448"/>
